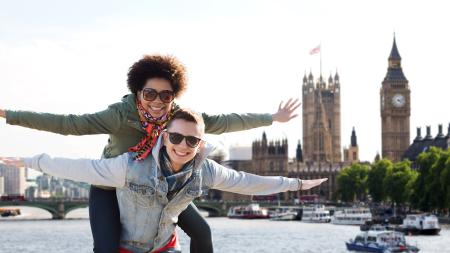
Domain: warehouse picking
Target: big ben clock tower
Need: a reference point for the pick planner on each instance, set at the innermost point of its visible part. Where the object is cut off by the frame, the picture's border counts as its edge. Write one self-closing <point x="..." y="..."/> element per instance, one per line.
<point x="395" y="106"/>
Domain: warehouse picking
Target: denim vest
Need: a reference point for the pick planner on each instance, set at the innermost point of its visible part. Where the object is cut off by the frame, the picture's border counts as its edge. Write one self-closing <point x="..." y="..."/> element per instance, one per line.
<point x="148" y="218"/>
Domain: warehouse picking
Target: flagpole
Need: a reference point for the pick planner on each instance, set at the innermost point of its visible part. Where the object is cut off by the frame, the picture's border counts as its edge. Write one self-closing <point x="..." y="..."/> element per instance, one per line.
<point x="320" y="46"/>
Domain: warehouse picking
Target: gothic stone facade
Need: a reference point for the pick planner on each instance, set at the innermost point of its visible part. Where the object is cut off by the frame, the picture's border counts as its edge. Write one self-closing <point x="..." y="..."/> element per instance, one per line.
<point x="321" y="119"/>
<point x="270" y="158"/>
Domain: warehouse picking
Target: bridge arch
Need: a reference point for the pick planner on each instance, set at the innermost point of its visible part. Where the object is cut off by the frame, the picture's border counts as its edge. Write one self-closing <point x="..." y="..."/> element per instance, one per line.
<point x="71" y="209"/>
<point x="212" y="211"/>
<point x="36" y="211"/>
<point x="214" y="208"/>
<point x="57" y="208"/>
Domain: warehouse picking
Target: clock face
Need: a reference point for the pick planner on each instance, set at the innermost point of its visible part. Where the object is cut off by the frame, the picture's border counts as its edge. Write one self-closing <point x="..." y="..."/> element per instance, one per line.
<point x="398" y="100"/>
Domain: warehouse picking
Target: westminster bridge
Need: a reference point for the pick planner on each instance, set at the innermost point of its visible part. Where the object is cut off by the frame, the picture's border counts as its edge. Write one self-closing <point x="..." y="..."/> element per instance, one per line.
<point x="60" y="207"/>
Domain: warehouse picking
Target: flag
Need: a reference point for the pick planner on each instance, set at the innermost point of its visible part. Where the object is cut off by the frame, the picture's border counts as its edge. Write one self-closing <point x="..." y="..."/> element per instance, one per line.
<point x="315" y="50"/>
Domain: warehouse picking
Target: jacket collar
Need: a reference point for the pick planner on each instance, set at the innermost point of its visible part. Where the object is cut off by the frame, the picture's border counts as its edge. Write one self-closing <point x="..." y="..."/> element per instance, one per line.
<point x="129" y="104"/>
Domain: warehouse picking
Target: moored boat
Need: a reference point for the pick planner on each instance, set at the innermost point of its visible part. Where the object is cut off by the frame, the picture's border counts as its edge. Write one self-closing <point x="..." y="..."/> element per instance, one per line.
<point x="424" y="224"/>
<point x="283" y="213"/>
<point x="252" y="211"/>
<point x="316" y="214"/>
<point x="351" y="216"/>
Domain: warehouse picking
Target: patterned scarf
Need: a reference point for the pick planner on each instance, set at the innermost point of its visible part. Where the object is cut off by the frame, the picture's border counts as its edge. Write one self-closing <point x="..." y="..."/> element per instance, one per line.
<point x="175" y="180"/>
<point x="152" y="127"/>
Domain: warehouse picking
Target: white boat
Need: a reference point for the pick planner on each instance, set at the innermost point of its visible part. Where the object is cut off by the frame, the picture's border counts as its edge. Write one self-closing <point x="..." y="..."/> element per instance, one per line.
<point x="352" y="216"/>
<point x="380" y="240"/>
<point x="316" y="214"/>
<point x="425" y="224"/>
<point x="252" y="211"/>
<point x="283" y="213"/>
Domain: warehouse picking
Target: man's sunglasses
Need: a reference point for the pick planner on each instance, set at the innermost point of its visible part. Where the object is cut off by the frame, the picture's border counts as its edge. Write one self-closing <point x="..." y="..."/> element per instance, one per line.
<point x="150" y="94"/>
<point x="176" y="138"/>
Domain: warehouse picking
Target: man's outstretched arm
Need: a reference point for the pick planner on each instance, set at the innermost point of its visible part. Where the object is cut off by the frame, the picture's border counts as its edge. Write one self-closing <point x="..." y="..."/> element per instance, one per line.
<point x="107" y="172"/>
<point x="226" y="179"/>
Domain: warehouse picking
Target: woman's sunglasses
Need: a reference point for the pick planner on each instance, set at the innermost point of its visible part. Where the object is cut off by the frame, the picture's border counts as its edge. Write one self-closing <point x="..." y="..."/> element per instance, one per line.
<point x="150" y="94"/>
<point x="176" y="138"/>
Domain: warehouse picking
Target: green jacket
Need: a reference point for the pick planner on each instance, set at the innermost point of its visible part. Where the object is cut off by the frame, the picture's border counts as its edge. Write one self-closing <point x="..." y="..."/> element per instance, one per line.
<point x="121" y="122"/>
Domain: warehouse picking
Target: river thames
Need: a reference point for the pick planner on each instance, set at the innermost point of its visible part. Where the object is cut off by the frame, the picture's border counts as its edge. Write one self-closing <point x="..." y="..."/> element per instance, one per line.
<point x="230" y="235"/>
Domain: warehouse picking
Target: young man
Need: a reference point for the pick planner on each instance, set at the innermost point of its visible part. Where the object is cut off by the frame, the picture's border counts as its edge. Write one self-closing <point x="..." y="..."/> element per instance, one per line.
<point x="152" y="193"/>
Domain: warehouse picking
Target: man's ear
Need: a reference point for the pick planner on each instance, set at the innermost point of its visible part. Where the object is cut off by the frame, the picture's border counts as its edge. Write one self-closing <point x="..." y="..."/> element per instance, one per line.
<point x="202" y="144"/>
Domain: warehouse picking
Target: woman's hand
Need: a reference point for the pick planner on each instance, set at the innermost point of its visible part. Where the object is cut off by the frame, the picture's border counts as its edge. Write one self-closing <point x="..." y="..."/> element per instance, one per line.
<point x="285" y="113"/>
<point x="13" y="161"/>
<point x="2" y="113"/>
<point x="308" y="184"/>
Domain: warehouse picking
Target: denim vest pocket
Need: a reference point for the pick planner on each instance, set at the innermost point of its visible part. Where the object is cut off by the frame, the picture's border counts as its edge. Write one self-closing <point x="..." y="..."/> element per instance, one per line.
<point x="142" y="194"/>
<point x="196" y="192"/>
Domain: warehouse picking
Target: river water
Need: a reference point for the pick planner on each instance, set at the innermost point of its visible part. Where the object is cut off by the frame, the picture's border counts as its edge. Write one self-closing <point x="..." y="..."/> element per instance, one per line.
<point x="230" y="235"/>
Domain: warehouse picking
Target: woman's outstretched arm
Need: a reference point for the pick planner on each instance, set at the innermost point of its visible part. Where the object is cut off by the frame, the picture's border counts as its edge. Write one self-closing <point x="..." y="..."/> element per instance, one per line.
<point x="103" y="122"/>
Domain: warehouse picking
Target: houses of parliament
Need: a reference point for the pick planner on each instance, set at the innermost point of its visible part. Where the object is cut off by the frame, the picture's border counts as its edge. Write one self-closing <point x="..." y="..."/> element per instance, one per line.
<point x="321" y="154"/>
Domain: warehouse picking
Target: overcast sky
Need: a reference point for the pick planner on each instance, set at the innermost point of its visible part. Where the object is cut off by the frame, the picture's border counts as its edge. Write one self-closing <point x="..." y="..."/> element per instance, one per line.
<point x="241" y="56"/>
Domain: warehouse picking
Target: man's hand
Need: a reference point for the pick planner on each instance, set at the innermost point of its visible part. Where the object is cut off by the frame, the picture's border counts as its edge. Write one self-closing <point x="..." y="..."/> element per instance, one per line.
<point x="308" y="184"/>
<point x="13" y="161"/>
<point x="285" y="113"/>
<point x="2" y="113"/>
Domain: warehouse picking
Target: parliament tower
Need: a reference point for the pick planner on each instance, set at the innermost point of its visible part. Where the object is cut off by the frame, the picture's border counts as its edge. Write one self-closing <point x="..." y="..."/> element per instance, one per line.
<point x="395" y="107"/>
<point x="321" y="119"/>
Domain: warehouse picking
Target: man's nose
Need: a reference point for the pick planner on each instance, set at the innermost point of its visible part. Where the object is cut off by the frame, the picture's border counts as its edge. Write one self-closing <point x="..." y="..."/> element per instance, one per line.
<point x="184" y="143"/>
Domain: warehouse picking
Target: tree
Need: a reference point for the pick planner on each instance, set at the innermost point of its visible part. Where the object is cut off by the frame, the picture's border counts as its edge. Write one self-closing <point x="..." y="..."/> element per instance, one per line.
<point x="345" y="186"/>
<point x="434" y="184"/>
<point x="352" y="182"/>
<point x="445" y="181"/>
<point x="421" y="197"/>
<point x="375" y="179"/>
<point x="399" y="180"/>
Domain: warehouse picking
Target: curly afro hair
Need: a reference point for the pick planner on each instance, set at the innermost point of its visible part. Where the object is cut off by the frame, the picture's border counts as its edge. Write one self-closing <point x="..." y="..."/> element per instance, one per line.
<point x="157" y="66"/>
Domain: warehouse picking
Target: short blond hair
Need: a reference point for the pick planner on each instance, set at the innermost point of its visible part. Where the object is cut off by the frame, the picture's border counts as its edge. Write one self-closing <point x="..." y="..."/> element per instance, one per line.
<point x="187" y="115"/>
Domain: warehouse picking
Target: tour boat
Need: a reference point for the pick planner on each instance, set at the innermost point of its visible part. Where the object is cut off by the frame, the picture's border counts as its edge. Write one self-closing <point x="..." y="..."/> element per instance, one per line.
<point x="316" y="213"/>
<point x="424" y="224"/>
<point x="351" y="216"/>
<point x="382" y="241"/>
<point x="283" y="213"/>
<point x="252" y="211"/>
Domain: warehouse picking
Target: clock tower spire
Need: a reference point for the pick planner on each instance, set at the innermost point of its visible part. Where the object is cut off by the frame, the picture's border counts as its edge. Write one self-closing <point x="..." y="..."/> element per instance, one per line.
<point x="395" y="107"/>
